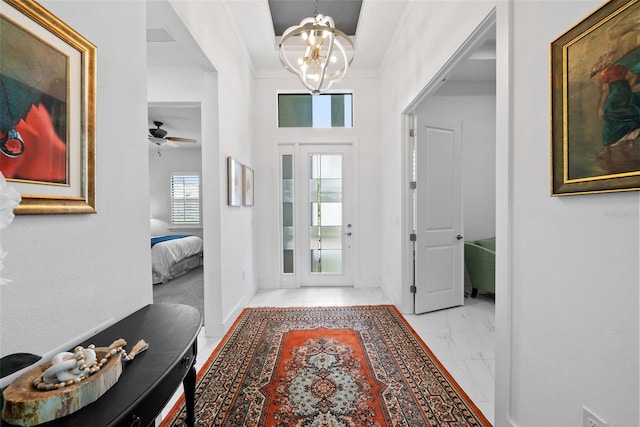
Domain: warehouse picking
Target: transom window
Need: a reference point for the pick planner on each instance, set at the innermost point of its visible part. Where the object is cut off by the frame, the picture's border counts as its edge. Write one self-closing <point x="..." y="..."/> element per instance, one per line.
<point x="328" y="110"/>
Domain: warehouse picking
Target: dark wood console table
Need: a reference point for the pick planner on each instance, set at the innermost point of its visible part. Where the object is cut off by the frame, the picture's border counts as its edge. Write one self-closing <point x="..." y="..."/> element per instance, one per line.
<point x="148" y="382"/>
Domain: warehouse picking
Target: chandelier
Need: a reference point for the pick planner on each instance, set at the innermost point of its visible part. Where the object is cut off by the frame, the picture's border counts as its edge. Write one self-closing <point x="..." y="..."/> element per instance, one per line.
<point x="316" y="51"/>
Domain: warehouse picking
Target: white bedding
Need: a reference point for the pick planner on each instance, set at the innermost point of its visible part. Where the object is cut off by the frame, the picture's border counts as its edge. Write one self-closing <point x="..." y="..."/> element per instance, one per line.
<point x="165" y="254"/>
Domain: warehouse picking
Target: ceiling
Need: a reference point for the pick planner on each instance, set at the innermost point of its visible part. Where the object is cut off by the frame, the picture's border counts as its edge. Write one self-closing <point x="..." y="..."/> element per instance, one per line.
<point x="253" y="20"/>
<point x="170" y="43"/>
<point x="285" y="13"/>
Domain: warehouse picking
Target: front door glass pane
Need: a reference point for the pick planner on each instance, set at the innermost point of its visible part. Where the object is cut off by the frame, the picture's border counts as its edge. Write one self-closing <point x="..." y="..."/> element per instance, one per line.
<point x="288" y="234"/>
<point x="325" y="210"/>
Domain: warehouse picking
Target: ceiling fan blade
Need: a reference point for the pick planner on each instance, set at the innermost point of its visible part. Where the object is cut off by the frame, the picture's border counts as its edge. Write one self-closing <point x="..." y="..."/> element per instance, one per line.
<point x="176" y="138"/>
<point x="171" y="143"/>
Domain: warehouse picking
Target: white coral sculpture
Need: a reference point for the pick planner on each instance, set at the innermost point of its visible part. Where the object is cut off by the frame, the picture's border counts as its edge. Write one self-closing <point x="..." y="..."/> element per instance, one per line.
<point x="9" y="199"/>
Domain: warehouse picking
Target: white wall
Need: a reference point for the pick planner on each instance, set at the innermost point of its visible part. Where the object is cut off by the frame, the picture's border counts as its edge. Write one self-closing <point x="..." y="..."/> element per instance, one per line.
<point x="368" y="201"/>
<point x="72" y="273"/>
<point x="419" y="52"/>
<point x="175" y="83"/>
<point x="575" y="260"/>
<point x="160" y="169"/>
<point x="569" y="312"/>
<point x="229" y="233"/>
<point x="478" y="117"/>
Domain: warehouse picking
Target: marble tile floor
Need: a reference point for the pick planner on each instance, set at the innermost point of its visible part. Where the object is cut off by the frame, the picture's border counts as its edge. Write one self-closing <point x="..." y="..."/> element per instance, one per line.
<point x="462" y="338"/>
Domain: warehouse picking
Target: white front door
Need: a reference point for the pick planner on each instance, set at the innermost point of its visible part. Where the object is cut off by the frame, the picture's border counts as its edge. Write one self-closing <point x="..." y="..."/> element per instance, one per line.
<point x="324" y="213"/>
<point x="439" y="247"/>
<point x="318" y="229"/>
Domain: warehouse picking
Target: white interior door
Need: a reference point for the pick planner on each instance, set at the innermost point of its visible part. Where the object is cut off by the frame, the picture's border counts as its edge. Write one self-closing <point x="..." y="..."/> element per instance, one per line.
<point x="439" y="256"/>
<point x="324" y="213"/>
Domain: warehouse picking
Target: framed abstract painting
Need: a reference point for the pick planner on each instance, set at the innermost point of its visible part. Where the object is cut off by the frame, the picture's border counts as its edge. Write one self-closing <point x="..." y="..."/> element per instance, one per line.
<point x="595" y="108"/>
<point x="47" y="110"/>
<point x="247" y="186"/>
<point x="234" y="182"/>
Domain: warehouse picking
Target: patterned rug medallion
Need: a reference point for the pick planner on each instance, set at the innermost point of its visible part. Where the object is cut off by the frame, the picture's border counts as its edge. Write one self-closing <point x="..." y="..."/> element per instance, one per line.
<point x="326" y="366"/>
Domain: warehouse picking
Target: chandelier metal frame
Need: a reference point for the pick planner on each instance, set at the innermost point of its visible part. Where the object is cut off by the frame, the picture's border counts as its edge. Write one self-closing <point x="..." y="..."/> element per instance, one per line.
<point x="319" y="51"/>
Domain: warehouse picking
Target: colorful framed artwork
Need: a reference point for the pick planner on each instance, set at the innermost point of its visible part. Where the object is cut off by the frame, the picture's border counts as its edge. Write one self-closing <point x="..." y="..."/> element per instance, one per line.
<point x="595" y="106"/>
<point x="234" y="182"/>
<point x="47" y="110"/>
<point x="247" y="186"/>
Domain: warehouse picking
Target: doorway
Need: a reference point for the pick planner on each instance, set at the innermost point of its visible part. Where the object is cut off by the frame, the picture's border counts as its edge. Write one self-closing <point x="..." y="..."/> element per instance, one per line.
<point x="457" y="93"/>
<point x="316" y="215"/>
<point x="166" y="83"/>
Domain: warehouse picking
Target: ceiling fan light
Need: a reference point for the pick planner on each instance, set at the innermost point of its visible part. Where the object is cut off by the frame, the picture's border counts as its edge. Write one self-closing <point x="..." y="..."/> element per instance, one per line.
<point x="156" y="140"/>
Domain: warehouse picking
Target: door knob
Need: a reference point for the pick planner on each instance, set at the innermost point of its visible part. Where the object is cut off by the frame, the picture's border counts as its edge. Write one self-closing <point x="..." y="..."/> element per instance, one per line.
<point x="459" y="237"/>
<point x="347" y="234"/>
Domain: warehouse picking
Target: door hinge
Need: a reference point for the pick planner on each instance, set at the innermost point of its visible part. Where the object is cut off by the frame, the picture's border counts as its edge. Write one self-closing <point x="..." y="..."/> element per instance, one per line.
<point x="413" y="289"/>
<point x="413" y="185"/>
<point x="412" y="133"/>
<point x="413" y="237"/>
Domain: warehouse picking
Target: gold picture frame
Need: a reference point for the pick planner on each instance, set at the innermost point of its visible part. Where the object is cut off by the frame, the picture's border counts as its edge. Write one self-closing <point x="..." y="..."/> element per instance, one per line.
<point x="47" y="137"/>
<point x="595" y="106"/>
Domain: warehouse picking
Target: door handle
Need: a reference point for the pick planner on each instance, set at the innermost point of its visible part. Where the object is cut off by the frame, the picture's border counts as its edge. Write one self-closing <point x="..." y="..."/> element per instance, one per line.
<point x="459" y="237"/>
<point x="347" y="234"/>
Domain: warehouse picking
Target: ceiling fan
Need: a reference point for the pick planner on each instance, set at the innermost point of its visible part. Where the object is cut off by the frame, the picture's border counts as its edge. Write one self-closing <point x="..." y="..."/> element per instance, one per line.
<point x="159" y="136"/>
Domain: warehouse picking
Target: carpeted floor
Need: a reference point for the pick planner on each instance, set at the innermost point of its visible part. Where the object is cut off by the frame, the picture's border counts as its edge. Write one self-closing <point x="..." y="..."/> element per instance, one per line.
<point x="326" y="366"/>
<point x="186" y="289"/>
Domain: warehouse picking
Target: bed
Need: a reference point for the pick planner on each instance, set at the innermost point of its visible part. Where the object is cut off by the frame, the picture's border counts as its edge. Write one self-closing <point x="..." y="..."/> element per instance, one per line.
<point x="173" y="255"/>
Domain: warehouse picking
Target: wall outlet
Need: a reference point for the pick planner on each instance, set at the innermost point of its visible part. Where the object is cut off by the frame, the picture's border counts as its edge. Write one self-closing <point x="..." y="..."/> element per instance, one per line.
<point x="589" y="419"/>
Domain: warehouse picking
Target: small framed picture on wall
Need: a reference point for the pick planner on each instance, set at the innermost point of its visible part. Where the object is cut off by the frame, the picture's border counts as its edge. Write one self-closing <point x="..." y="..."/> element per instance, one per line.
<point x="247" y="186"/>
<point x="234" y="182"/>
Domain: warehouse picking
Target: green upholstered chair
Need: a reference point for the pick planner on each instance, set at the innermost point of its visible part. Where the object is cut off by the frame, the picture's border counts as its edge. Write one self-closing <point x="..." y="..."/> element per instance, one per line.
<point x="480" y="259"/>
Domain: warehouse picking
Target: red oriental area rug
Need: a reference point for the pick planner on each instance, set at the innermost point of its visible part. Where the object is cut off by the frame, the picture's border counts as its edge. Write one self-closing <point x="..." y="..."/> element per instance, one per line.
<point x="326" y="366"/>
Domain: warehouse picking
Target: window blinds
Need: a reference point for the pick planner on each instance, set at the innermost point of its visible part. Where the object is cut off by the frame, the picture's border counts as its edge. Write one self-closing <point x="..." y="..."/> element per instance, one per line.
<point x="185" y="199"/>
